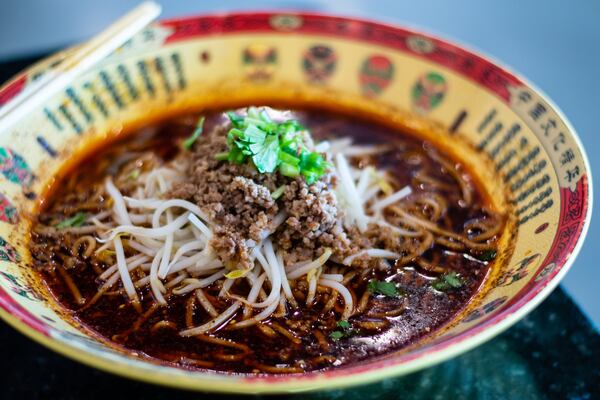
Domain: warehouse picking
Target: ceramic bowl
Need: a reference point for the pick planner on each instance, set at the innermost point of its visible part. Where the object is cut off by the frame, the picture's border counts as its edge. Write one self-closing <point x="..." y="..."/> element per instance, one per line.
<point x="515" y="140"/>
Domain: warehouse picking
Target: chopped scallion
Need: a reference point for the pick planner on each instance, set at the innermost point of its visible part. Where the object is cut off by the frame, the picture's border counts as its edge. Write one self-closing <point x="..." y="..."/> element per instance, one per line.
<point x="74" y="221"/>
<point x="278" y="192"/>
<point x="271" y="146"/>
<point x="189" y="142"/>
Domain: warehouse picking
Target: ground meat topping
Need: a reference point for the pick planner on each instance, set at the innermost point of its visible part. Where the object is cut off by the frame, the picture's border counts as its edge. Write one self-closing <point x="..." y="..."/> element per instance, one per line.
<point x="313" y="221"/>
<point x="238" y="200"/>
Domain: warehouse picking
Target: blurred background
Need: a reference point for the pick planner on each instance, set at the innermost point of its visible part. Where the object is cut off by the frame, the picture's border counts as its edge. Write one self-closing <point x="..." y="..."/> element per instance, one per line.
<point x="554" y="44"/>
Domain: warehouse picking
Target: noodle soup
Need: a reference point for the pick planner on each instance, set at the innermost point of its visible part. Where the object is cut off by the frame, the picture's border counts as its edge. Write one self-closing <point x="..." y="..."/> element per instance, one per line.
<point x="266" y="241"/>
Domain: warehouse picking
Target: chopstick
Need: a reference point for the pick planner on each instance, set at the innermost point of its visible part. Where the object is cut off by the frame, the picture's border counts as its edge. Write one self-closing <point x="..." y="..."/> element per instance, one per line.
<point x="86" y="56"/>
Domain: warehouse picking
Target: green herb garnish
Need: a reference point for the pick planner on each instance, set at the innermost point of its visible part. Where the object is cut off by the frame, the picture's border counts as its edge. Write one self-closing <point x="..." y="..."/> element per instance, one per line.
<point x="487" y="255"/>
<point x="222" y="156"/>
<point x="189" y="142"/>
<point x="336" y="335"/>
<point x="133" y="175"/>
<point x="271" y="146"/>
<point x="448" y="281"/>
<point x="388" y="289"/>
<point x="344" y="331"/>
<point x="345" y="325"/>
<point x="74" y="221"/>
<point x="278" y="192"/>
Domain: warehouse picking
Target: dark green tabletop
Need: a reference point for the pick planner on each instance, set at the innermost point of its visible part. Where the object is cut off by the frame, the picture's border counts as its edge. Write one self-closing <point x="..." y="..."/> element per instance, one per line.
<point x="554" y="353"/>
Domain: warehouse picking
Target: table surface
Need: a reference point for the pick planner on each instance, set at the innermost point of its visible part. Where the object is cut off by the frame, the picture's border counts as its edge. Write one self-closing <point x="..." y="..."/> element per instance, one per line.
<point x="552" y="353"/>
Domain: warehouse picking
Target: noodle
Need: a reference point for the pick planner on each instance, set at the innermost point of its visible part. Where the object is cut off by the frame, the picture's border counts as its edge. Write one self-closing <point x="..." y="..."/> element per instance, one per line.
<point x="364" y="301"/>
<point x="90" y="246"/>
<point x="214" y="323"/>
<point x="341" y="249"/>
<point x="322" y="341"/>
<point x="163" y="325"/>
<point x="266" y="330"/>
<point x="374" y="253"/>
<point x="71" y="285"/>
<point x="124" y="272"/>
<point x="391" y="199"/>
<point x="285" y="332"/>
<point x="189" y="311"/>
<point x="466" y="190"/>
<point x="210" y="309"/>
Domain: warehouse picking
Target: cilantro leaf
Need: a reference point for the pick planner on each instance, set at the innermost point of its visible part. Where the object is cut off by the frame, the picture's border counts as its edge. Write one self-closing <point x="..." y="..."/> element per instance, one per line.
<point x="265" y="159"/>
<point x="344" y="331"/>
<point x="252" y="134"/>
<point x="74" y="221"/>
<point x="344" y="324"/>
<point x="271" y="146"/>
<point x="448" y="281"/>
<point x="189" y="142"/>
<point x="236" y="120"/>
<point x="388" y="289"/>
<point x="336" y="335"/>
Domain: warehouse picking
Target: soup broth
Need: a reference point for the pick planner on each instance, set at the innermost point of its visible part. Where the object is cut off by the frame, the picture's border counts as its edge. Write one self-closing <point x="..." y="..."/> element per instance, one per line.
<point x="440" y="244"/>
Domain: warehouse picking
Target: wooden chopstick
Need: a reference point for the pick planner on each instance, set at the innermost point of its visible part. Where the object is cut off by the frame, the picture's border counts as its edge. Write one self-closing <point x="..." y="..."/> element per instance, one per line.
<point x="86" y="56"/>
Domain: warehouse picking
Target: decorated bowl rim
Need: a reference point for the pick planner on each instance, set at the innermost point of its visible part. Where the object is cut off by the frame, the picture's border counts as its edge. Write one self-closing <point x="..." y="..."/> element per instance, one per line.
<point x="22" y="321"/>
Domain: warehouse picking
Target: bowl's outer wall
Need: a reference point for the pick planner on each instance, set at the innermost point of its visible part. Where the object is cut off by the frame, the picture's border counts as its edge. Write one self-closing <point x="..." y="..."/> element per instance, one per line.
<point x="516" y="142"/>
